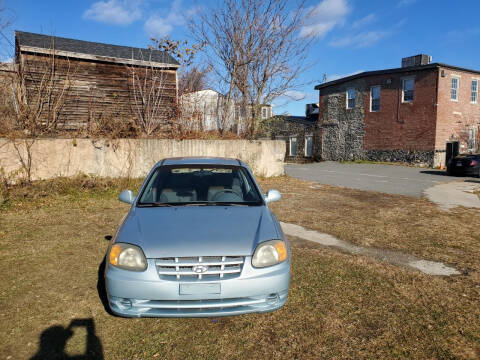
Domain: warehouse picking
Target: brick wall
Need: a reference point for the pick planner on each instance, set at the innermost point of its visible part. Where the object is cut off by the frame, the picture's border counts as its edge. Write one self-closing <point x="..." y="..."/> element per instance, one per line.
<point x="456" y="117"/>
<point x="401" y="125"/>
<point x="400" y="131"/>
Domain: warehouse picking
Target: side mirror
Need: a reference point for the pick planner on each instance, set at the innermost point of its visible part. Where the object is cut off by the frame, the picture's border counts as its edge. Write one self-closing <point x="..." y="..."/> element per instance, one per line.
<point x="126" y="196"/>
<point x="272" y="195"/>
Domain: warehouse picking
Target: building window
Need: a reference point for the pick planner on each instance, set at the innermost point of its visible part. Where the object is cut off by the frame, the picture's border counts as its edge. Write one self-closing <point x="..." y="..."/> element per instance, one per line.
<point x="454" y="92"/>
<point x="474" y="94"/>
<point x="264" y="113"/>
<point x="375" y="98"/>
<point x="350" y="98"/>
<point x="308" y="145"/>
<point x="408" y="89"/>
<point x="293" y="145"/>
<point x="471" y="139"/>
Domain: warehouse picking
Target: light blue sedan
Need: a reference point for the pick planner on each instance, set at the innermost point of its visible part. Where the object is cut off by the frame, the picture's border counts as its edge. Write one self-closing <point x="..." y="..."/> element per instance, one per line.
<point x="199" y="240"/>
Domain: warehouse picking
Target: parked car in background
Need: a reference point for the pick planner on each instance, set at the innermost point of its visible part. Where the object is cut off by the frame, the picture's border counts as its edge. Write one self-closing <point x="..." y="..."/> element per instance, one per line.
<point x="199" y="240"/>
<point x="464" y="165"/>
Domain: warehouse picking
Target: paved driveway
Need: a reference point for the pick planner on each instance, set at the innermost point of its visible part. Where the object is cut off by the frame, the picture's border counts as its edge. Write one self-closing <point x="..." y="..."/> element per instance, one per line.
<point x="390" y="179"/>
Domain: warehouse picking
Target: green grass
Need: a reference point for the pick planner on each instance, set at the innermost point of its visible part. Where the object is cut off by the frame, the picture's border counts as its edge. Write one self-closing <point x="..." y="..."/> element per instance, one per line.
<point x="52" y="241"/>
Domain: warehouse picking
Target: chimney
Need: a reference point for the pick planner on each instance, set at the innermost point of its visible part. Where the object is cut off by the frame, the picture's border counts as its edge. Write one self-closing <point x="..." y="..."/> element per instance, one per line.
<point x="416" y="60"/>
<point x="311" y="111"/>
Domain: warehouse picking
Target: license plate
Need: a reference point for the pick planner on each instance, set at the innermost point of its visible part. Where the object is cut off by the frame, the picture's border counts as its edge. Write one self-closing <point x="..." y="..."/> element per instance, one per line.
<point x="199" y="289"/>
<point x="459" y="163"/>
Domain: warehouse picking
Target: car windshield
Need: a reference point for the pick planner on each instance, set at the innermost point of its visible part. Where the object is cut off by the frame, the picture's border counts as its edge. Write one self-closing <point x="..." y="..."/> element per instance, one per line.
<point x="200" y="185"/>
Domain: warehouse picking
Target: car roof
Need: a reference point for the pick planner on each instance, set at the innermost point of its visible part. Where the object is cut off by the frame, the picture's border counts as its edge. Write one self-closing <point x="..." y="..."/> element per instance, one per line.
<point x="201" y="161"/>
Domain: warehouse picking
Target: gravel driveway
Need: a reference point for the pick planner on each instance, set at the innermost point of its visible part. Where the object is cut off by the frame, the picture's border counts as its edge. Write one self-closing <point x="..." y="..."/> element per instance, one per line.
<point x="389" y="179"/>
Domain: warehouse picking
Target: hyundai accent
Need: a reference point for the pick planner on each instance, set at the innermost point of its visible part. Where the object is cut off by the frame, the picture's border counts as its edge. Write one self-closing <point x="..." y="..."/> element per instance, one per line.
<point x="199" y="240"/>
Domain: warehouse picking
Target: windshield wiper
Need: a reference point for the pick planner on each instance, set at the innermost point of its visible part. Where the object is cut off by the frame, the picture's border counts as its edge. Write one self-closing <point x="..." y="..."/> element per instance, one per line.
<point x="154" y="204"/>
<point x="227" y="203"/>
<point x="203" y="203"/>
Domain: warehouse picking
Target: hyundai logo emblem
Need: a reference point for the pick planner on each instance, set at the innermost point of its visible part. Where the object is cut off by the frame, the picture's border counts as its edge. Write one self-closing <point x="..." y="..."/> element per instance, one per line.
<point x="199" y="269"/>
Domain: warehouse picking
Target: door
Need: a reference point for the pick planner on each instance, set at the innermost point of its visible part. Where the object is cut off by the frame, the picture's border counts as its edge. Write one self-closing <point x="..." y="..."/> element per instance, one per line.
<point x="308" y="146"/>
<point x="451" y="151"/>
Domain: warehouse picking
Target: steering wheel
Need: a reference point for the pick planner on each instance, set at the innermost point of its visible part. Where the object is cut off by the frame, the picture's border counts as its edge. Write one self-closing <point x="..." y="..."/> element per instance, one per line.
<point x="218" y="195"/>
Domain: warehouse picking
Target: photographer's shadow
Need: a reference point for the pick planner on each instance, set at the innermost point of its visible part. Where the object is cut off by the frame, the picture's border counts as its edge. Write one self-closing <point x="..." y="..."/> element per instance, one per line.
<point x="54" y="340"/>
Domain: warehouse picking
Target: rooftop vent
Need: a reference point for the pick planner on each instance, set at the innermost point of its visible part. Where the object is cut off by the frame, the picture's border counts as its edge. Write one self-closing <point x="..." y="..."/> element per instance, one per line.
<point x="416" y="60"/>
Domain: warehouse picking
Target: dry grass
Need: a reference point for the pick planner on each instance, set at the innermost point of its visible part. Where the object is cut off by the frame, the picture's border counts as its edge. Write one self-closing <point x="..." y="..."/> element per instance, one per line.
<point x="340" y="306"/>
<point x="375" y="219"/>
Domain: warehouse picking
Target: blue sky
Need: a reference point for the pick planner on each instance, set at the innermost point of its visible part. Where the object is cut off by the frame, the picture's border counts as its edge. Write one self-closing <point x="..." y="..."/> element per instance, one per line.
<point x="352" y="35"/>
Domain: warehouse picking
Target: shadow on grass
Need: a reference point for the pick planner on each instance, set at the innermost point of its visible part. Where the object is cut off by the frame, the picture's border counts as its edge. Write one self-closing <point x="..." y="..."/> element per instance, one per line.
<point x="54" y="339"/>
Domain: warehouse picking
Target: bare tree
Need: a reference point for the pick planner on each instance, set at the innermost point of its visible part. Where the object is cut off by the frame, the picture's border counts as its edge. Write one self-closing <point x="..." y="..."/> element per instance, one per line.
<point x="5" y="22"/>
<point x="42" y="87"/>
<point x="150" y="87"/>
<point x="39" y="88"/>
<point x="192" y="80"/>
<point x="255" y="47"/>
<point x="468" y="135"/>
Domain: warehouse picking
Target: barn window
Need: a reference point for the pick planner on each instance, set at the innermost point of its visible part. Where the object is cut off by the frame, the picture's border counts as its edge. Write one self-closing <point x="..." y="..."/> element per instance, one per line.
<point x="350" y="98"/>
<point x="408" y="89"/>
<point x="454" y="92"/>
<point x="375" y="98"/>
<point x="293" y="145"/>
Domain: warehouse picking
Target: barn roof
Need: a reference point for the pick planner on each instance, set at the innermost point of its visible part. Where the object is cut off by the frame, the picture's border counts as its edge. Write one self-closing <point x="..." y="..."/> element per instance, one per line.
<point x="32" y="42"/>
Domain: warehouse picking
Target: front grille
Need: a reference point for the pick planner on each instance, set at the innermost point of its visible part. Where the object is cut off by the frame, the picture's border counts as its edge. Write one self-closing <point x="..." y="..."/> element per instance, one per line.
<point x="213" y="268"/>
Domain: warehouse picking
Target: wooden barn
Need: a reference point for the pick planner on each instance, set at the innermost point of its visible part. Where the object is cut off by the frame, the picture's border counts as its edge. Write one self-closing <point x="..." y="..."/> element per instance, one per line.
<point x="74" y="83"/>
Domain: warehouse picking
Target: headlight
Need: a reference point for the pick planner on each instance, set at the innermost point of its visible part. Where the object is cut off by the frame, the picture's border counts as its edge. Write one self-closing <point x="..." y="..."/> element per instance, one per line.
<point x="128" y="257"/>
<point x="269" y="253"/>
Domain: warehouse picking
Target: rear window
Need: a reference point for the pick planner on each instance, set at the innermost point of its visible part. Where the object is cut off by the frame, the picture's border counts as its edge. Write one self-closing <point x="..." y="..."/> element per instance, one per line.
<point x="200" y="184"/>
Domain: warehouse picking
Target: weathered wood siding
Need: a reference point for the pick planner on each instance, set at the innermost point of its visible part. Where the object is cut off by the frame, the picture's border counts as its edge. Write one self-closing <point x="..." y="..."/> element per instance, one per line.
<point x="95" y="90"/>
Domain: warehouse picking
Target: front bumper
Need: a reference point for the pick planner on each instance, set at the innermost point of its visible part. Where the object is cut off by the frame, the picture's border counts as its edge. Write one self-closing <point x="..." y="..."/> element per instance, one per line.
<point x="144" y="294"/>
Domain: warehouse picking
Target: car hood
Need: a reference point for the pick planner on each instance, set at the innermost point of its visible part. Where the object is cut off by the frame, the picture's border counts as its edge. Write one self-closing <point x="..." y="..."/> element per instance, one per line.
<point x="198" y="230"/>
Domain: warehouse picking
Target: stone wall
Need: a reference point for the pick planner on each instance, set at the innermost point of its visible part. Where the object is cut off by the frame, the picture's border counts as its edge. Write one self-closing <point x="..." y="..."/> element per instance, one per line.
<point x="342" y="129"/>
<point x="405" y="156"/>
<point x="131" y="157"/>
<point x="283" y="127"/>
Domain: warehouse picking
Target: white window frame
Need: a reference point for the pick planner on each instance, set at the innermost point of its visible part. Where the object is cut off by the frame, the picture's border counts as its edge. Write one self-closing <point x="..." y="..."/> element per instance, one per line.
<point x="371" y="97"/>
<point x="456" y="89"/>
<point x="473" y="140"/>
<point x="354" y="98"/>
<point x="308" y="136"/>
<point x="264" y="112"/>
<point x="403" y="89"/>
<point x="472" y="99"/>
<point x="290" y="145"/>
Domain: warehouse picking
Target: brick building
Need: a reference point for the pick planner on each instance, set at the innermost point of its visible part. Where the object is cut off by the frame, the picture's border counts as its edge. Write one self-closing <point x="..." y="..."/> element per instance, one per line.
<point x="404" y="114"/>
